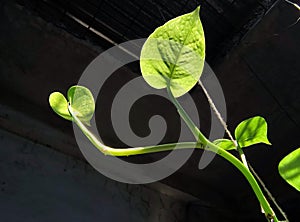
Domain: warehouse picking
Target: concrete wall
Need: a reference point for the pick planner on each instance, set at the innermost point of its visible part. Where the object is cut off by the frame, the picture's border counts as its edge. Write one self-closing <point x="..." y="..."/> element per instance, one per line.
<point x="41" y="184"/>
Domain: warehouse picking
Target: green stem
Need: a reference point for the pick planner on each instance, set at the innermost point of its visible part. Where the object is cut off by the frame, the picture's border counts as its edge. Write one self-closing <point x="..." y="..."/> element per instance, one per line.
<point x="262" y="184"/>
<point x="129" y="151"/>
<point x="194" y="129"/>
<point x="202" y="142"/>
<point x="252" y="181"/>
<point x="228" y="156"/>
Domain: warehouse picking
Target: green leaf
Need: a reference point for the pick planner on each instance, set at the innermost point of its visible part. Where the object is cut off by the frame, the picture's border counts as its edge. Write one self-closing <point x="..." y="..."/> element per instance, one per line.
<point x="174" y="54"/>
<point x="59" y="105"/>
<point x="289" y="168"/>
<point x="225" y="144"/>
<point x="81" y="100"/>
<point x="252" y="131"/>
<point x="82" y="103"/>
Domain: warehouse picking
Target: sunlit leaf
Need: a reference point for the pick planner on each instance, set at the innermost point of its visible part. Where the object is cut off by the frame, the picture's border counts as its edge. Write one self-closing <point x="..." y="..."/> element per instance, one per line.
<point x="225" y="144"/>
<point x="289" y="168"/>
<point x="252" y="131"/>
<point x="82" y="102"/>
<point x="59" y="105"/>
<point x="174" y="54"/>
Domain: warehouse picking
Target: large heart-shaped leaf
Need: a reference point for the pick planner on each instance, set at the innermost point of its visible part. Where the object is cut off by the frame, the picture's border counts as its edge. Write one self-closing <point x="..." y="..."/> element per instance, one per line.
<point x="80" y="99"/>
<point x="174" y="54"/>
<point x="252" y="131"/>
<point x="289" y="168"/>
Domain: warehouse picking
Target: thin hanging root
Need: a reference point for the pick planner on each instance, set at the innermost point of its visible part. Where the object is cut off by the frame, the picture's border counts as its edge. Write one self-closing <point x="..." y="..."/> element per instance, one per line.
<point x="294" y="4"/>
<point x="269" y="194"/>
<point x="217" y="113"/>
<point x="297" y="7"/>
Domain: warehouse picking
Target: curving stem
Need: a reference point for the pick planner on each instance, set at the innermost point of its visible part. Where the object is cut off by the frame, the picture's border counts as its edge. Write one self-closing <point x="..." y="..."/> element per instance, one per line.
<point x="129" y="151"/>
<point x="269" y="213"/>
<point x="202" y="142"/>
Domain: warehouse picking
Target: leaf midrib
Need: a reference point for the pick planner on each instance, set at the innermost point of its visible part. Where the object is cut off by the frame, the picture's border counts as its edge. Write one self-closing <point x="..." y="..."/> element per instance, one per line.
<point x="177" y="57"/>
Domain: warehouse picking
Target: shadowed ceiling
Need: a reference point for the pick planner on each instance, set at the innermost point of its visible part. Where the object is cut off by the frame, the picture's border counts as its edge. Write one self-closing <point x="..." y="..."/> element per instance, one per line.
<point x="224" y="21"/>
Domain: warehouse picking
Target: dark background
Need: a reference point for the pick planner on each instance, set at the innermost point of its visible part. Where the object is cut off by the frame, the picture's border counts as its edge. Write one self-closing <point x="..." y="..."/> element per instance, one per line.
<point x="252" y="47"/>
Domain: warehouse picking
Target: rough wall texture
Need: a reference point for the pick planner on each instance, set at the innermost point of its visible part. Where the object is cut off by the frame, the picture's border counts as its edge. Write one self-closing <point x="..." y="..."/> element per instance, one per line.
<point x="40" y="184"/>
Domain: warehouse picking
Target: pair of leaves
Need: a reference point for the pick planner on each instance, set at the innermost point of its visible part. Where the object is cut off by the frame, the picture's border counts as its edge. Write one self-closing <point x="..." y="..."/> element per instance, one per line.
<point x="80" y="99"/>
<point x="249" y="132"/>
<point x="253" y="131"/>
<point x="173" y="55"/>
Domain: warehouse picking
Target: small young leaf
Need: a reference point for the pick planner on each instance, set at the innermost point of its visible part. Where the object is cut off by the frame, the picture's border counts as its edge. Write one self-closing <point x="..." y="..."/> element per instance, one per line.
<point x="81" y="100"/>
<point x="289" y="168"/>
<point x="59" y="105"/>
<point x="82" y="103"/>
<point x="252" y="131"/>
<point x="225" y="144"/>
<point x="174" y="54"/>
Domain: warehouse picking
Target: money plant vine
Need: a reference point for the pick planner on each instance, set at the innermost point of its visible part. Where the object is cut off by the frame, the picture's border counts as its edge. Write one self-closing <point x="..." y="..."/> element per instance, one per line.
<point x="173" y="58"/>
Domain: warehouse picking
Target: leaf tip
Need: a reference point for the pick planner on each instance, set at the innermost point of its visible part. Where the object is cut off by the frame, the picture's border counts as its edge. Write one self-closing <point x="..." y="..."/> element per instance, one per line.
<point x="197" y="11"/>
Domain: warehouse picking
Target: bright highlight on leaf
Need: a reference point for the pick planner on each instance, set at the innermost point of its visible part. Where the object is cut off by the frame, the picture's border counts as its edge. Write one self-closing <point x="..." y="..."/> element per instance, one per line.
<point x="82" y="103"/>
<point x="59" y="104"/>
<point x="289" y="169"/>
<point x="174" y="54"/>
<point x="252" y="131"/>
<point x="225" y="144"/>
<point x="81" y="100"/>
